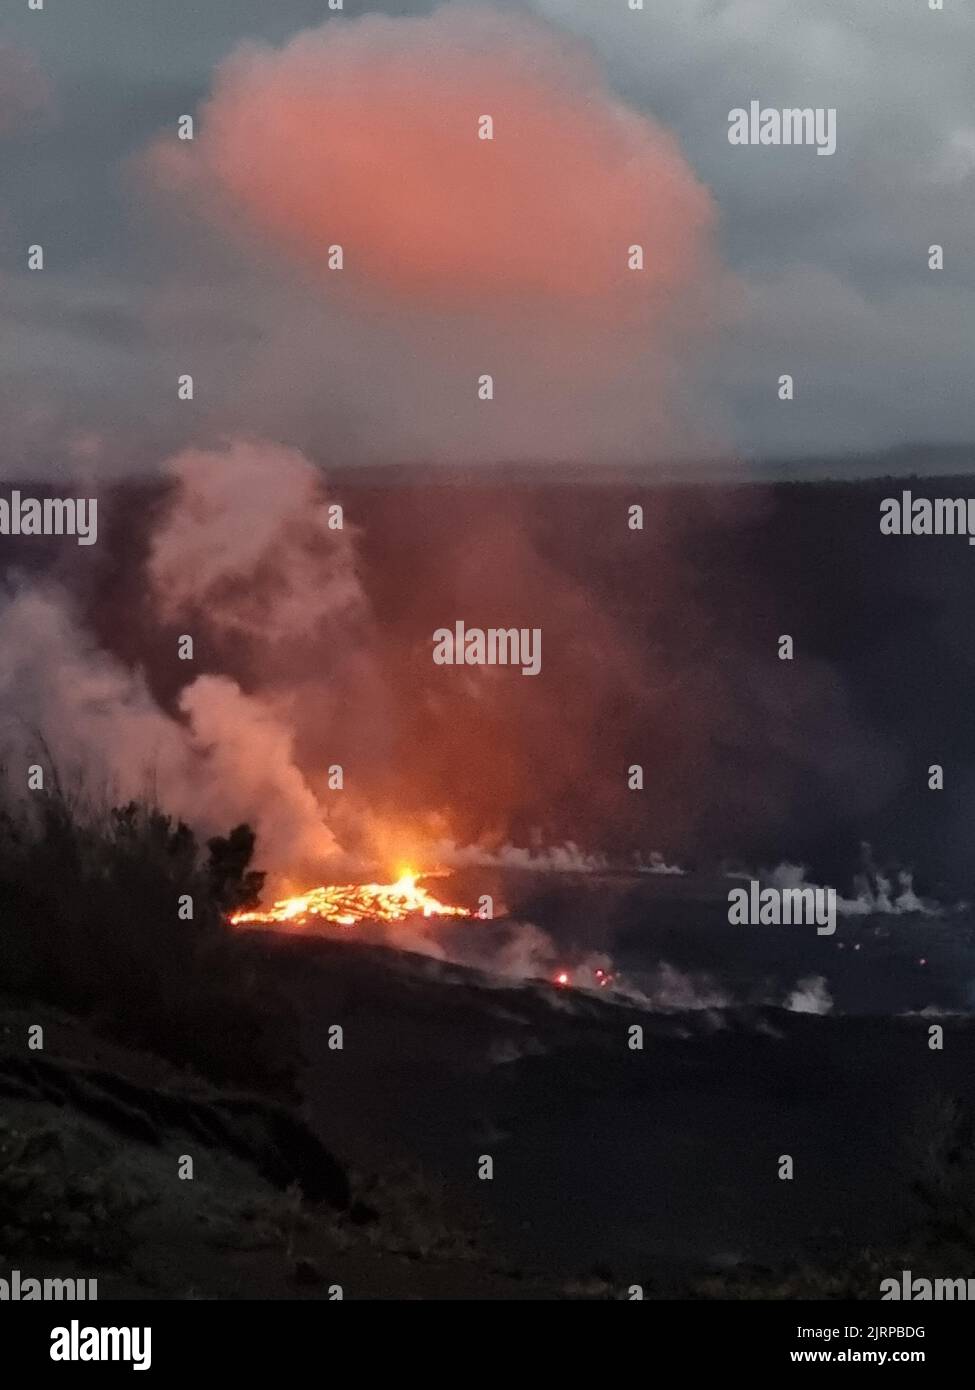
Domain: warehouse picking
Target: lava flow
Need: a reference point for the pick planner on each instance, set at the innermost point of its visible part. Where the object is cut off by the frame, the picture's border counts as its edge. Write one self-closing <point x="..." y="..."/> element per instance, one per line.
<point x="346" y="904"/>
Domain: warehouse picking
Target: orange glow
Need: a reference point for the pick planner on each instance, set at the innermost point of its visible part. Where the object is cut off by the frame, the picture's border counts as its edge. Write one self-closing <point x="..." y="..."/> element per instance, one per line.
<point x="346" y="904"/>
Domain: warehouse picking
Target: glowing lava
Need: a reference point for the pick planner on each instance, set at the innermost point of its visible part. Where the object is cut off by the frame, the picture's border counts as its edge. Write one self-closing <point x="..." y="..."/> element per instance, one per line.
<point x="346" y="904"/>
<point x="584" y="978"/>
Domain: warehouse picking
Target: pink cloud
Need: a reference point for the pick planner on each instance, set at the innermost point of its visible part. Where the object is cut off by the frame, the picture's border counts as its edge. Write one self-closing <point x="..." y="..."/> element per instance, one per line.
<point x="364" y="133"/>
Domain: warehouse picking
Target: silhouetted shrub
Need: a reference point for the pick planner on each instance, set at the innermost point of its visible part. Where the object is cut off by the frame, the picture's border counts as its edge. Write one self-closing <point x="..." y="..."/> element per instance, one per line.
<point x="234" y="886"/>
<point x="117" y="915"/>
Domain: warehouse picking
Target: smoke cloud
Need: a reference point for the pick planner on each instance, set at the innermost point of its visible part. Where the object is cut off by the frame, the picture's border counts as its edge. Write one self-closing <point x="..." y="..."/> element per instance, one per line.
<point x="365" y="134"/>
<point x="311" y="629"/>
<point x="248" y="543"/>
<point x="242" y="562"/>
<point x="311" y="620"/>
<point x="511" y="256"/>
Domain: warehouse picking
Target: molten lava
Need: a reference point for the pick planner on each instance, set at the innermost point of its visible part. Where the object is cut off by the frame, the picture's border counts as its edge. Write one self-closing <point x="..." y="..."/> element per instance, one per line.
<point x="346" y="904"/>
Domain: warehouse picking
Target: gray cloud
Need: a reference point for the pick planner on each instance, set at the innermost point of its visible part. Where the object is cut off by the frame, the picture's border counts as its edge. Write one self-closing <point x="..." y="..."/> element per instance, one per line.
<point x="833" y="251"/>
<point x="830" y="253"/>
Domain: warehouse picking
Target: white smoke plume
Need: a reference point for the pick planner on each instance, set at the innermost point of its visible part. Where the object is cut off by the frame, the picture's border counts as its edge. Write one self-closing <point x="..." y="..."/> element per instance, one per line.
<point x="75" y="707"/>
<point x="250" y="541"/>
<point x="247" y="544"/>
<point x="247" y="755"/>
<point x="657" y="864"/>
<point x="810" y="996"/>
<point x="96" y="715"/>
<point x="566" y="858"/>
<point x="874" y="892"/>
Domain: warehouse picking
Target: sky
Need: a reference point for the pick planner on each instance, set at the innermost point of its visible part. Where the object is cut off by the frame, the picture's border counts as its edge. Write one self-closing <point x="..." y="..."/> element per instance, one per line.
<point x="465" y="257"/>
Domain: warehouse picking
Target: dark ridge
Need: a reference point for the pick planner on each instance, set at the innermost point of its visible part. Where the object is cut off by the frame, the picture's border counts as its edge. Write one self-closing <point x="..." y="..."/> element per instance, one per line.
<point x="278" y="1143"/>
